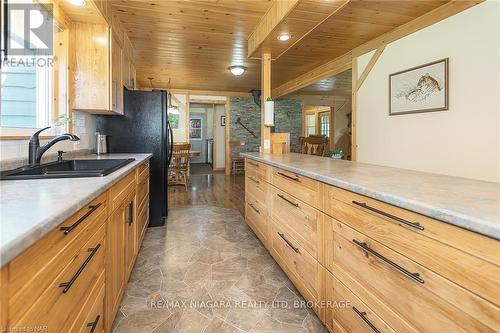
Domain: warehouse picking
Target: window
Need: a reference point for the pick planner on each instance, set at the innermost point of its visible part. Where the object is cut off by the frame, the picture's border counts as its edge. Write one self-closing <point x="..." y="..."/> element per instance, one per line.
<point x="324" y="123"/>
<point x="34" y="87"/>
<point x="310" y="124"/>
<point x="26" y="95"/>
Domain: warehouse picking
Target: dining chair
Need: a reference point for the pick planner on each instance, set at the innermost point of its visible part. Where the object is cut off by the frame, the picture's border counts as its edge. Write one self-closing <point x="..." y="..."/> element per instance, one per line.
<point x="179" y="165"/>
<point x="314" y="144"/>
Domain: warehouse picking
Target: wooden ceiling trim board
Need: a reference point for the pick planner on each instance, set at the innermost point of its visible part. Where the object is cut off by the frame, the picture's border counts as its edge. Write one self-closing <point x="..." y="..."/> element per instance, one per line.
<point x="449" y="9"/>
<point x="207" y="101"/>
<point x="278" y="11"/>
<point x="332" y="67"/>
<point x="369" y="66"/>
<point x="211" y="93"/>
<point x="298" y="40"/>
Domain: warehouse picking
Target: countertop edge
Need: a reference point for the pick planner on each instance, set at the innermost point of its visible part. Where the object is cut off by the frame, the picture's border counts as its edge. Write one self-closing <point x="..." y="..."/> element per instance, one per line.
<point x="11" y="250"/>
<point x="446" y="216"/>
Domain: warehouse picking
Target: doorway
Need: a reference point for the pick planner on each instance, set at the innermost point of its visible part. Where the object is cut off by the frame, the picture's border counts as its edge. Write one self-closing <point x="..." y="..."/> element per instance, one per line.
<point x="197" y="135"/>
<point x="207" y="136"/>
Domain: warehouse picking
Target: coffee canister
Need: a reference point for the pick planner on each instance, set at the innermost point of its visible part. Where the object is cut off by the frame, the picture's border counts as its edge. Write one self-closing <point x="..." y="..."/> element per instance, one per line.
<point x="101" y="143"/>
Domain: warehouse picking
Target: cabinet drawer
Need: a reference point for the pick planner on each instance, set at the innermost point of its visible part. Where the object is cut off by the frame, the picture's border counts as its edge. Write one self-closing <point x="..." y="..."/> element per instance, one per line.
<point x="59" y="305"/>
<point x="452" y="252"/>
<point x="38" y="267"/>
<point x="143" y="168"/>
<point x="307" y="189"/>
<point x="300" y="267"/>
<point x="297" y="218"/>
<point x="91" y="318"/>
<point x="349" y="312"/>
<point x="256" y="217"/>
<point x="257" y="187"/>
<point x="143" y="188"/>
<point x="142" y="221"/>
<point x="409" y="288"/>
<point x="257" y="169"/>
<point x="119" y="192"/>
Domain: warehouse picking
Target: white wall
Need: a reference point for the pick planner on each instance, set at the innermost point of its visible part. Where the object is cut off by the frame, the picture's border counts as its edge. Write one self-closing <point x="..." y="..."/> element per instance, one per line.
<point x="15" y="152"/>
<point x="463" y="141"/>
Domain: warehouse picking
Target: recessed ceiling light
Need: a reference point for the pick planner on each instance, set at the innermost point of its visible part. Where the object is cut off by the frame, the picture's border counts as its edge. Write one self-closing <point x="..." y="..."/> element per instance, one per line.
<point x="284" y="37"/>
<point x="79" y="3"/>
<point x="237" y="69"/>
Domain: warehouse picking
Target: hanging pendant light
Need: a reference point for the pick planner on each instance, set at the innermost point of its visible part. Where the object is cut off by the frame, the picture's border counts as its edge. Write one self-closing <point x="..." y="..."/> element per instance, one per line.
<point x="172" y="109"/>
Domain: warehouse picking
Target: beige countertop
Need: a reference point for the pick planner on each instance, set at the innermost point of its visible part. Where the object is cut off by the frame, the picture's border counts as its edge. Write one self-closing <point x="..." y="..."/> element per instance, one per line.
<point x="466" y="203"/>
<point x="30" y="209"/>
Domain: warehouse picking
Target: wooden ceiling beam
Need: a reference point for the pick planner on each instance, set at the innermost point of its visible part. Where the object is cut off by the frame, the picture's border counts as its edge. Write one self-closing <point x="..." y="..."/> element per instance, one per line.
<point x="278" y="11"/>
<point x="344" y="61"/>
<point x="333" y="67"/>
<point x="298" y="20"/>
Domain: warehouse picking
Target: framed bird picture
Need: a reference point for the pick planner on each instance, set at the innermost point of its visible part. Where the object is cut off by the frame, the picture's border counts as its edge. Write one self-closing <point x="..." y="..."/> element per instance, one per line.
<point x="419" y="89"/>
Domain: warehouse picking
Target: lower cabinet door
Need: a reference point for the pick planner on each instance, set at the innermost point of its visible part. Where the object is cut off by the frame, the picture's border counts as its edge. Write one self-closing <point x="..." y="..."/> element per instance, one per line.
<point x="130" y="233"/>
<point x="115" y="265"/>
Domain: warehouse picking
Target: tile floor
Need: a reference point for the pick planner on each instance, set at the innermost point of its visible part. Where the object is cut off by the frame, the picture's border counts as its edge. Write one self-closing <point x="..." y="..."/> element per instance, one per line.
<point x="208" y="258"/>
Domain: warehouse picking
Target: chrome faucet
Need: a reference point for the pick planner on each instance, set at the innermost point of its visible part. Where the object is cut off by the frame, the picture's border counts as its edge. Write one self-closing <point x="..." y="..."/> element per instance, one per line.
<point x="36" y="152"/>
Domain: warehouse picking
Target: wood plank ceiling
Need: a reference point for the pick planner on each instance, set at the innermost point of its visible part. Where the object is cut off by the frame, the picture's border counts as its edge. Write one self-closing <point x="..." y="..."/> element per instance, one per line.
<point x="194" y="42"/>
<point x="337" y="85"/>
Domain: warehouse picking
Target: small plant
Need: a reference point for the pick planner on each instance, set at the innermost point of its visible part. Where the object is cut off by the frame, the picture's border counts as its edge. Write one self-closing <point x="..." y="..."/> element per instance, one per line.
<point x="337" y="154"/>
<point x="62" y="120"/>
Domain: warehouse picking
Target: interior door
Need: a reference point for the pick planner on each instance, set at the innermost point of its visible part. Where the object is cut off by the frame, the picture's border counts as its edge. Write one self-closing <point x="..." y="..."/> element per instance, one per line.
<point x="197" y="133"/>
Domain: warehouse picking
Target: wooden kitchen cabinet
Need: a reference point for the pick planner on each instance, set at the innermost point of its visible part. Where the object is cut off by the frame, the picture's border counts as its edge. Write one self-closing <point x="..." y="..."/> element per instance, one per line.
<point x="116" y="77"/>
<point x="72" y="280"/>
<point x="115" y="262"/>
<point x="130" y="233"/>
<point x="388" y="263"/>
<point x="97" y="69"/>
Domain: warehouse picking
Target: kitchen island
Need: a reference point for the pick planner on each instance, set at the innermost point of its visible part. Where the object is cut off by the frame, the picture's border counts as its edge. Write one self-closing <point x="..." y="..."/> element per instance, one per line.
<point x="398" y="245"/>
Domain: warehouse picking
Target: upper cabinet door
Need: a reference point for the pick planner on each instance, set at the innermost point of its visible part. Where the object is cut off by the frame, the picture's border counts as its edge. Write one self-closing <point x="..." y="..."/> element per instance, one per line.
<point x="90" y="66"/>
<point x="126" y="79"/>
<point x="133" y="80"/>
<point x="116" y="77"/>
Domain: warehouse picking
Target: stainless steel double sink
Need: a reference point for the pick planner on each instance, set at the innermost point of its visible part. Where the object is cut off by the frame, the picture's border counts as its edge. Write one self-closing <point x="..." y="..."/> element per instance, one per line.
<point x="67" y="169"/>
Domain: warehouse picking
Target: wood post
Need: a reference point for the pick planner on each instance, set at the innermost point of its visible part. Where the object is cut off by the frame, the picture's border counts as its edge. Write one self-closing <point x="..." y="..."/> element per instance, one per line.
<point x="227" y="159"/>
<point x="265" y="135"/>
<point x="354" y="125"/>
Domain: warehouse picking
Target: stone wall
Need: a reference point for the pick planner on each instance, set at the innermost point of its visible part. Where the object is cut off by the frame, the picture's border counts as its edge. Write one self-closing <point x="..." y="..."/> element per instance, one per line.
<point x="288" y="118"/>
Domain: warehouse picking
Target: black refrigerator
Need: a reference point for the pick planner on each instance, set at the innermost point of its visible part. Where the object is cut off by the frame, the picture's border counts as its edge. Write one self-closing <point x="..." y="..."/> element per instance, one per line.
<point x="144" y="128"/>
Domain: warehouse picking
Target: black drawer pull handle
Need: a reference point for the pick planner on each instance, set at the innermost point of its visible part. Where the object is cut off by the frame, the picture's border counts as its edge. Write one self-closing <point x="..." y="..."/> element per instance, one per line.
<point x="290" y="202"/>
<point x="67" y="285"/>
<point x="289" y="177"/>
<point x="92" y="208"/>
<point x="413" y="276"/>
<point x="93" y="324"/>
<point x="415" y="225"/>
<point x="130" y="209"/>
<point x="362" y="315"/>
<point x="253" y="207"/>
<point x="252" y="178"/>
<point x="296" y="249"/>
